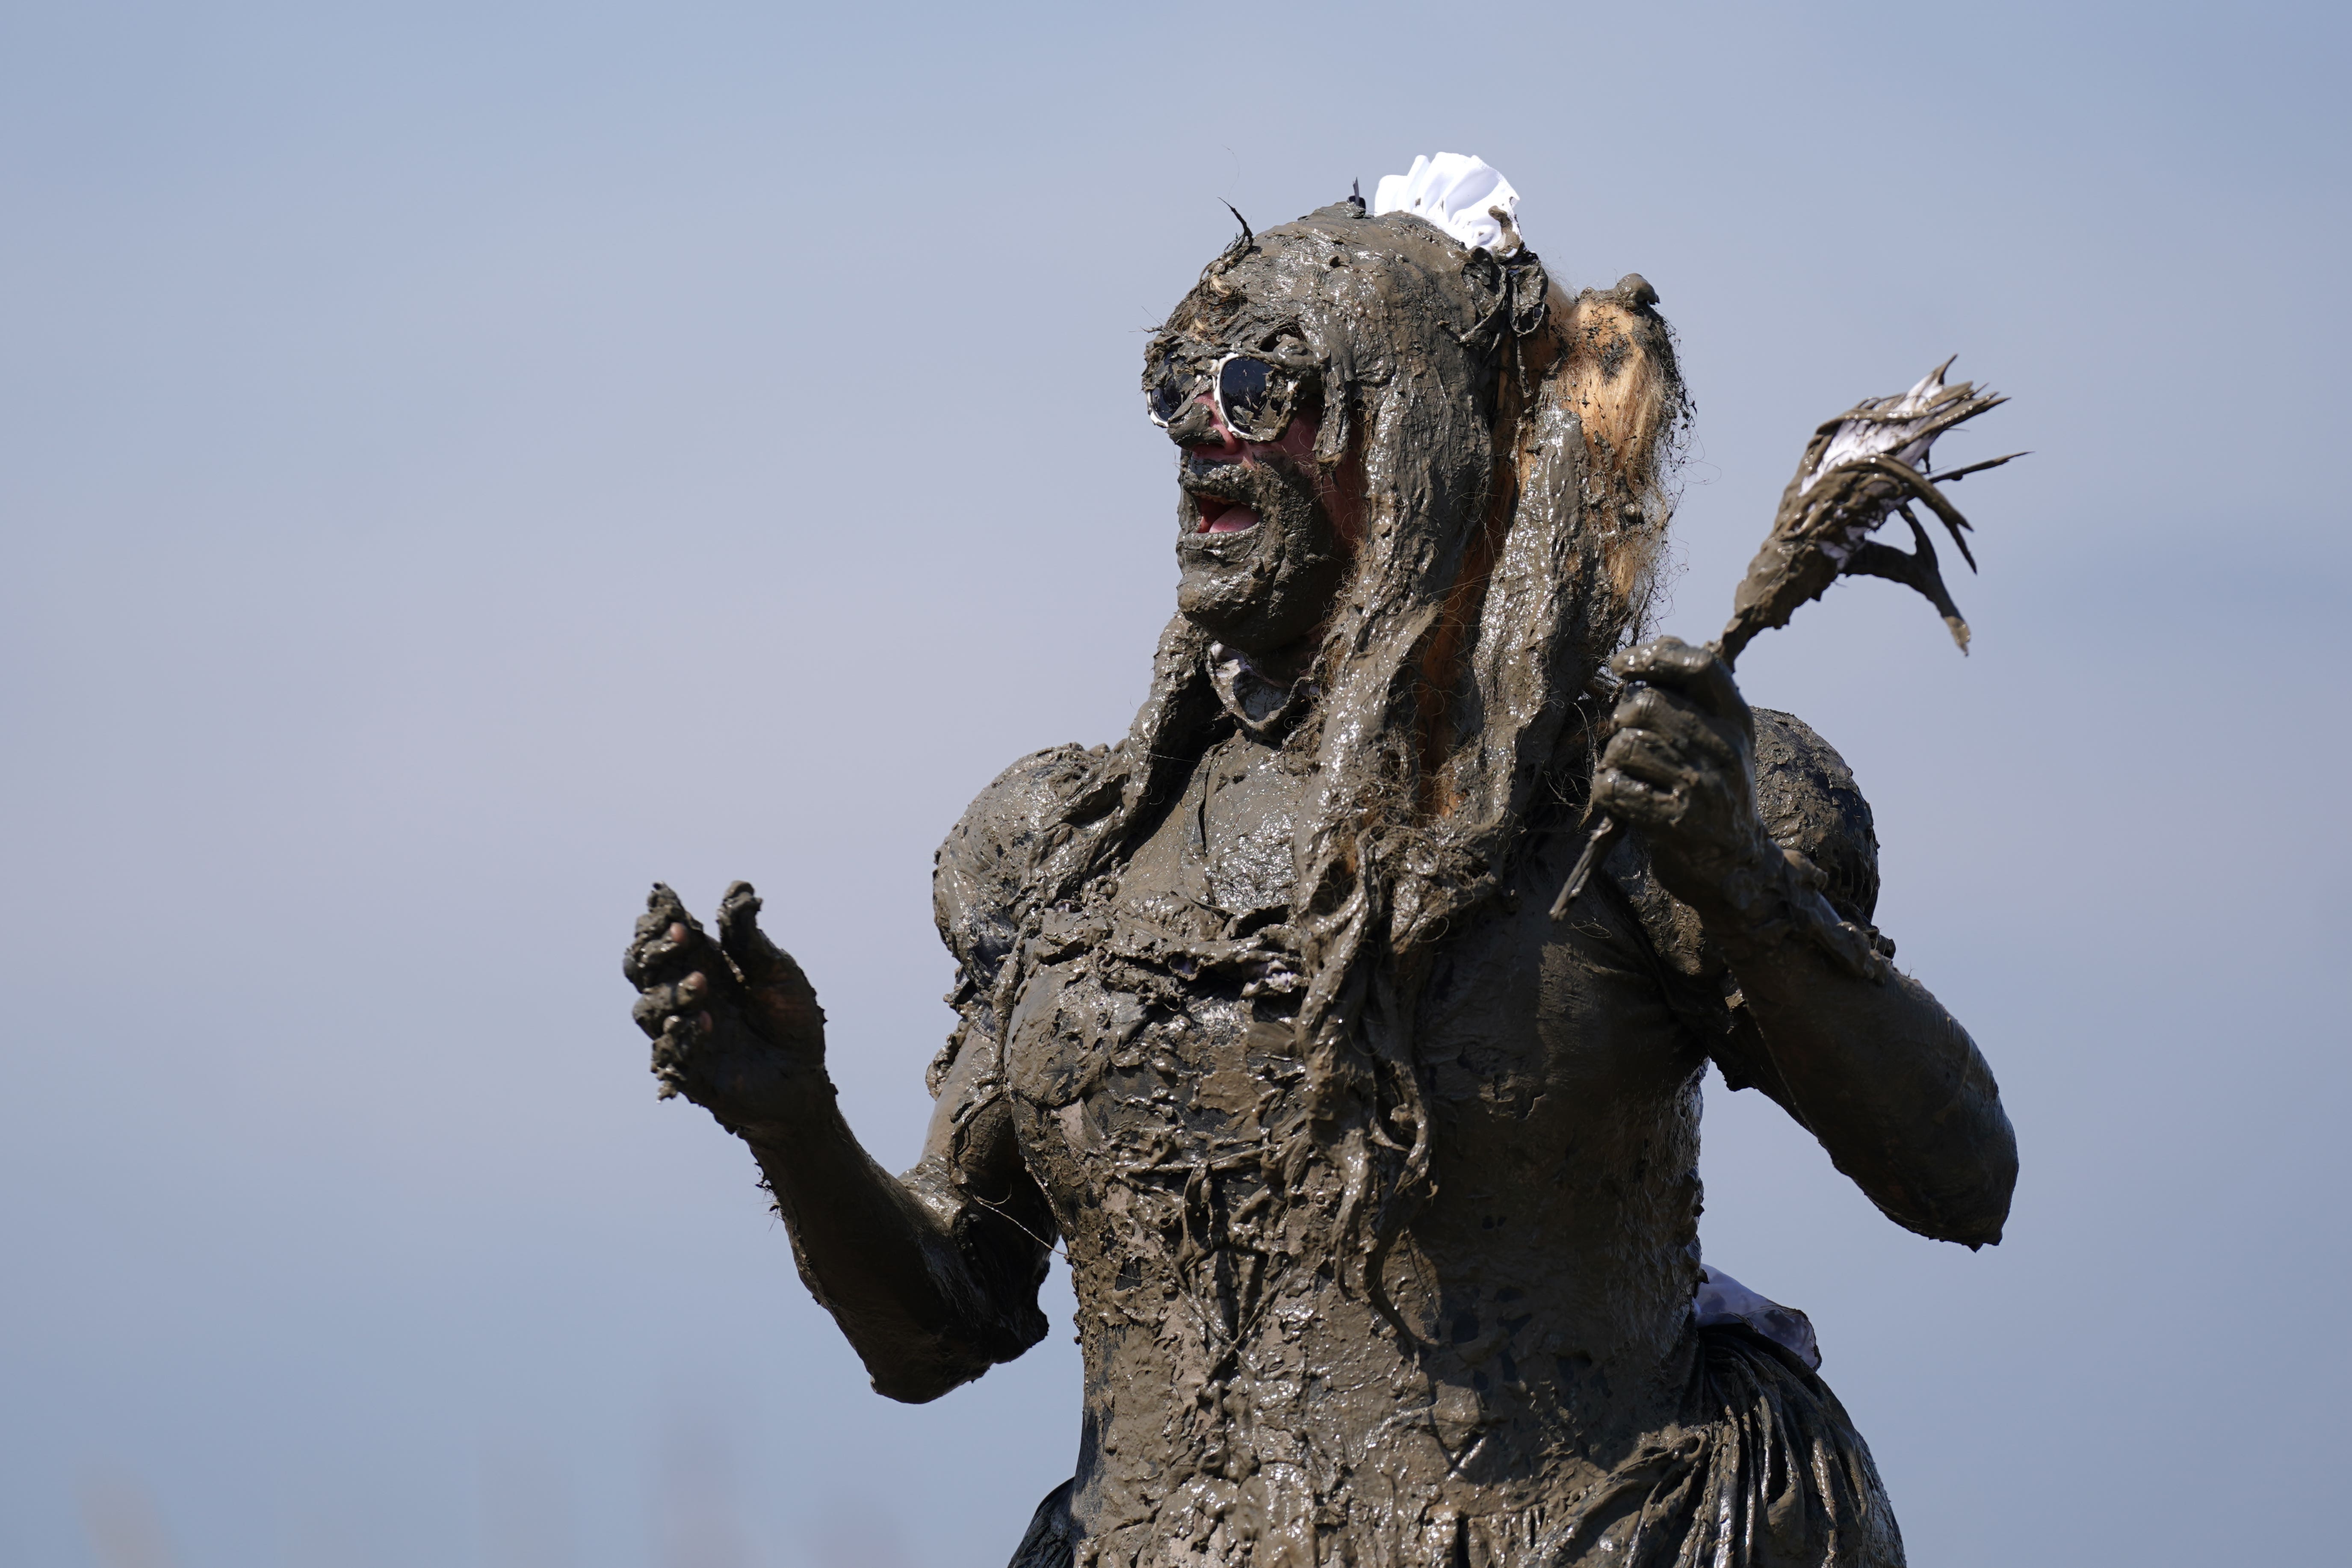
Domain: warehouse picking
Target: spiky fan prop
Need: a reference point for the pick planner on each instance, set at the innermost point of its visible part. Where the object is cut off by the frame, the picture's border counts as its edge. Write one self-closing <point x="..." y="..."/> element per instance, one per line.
<point x="1867" y="465"/>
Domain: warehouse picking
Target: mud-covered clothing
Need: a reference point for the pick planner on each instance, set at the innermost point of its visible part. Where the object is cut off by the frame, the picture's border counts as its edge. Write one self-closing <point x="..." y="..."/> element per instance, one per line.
<point x="1765" y="1467"/>
<point x="1246" y="1401"/>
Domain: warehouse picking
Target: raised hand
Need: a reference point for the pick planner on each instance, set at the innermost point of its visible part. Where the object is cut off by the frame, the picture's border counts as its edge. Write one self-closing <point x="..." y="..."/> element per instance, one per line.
<point x="1681" y="766"/>
<point x="735" y="1024"/>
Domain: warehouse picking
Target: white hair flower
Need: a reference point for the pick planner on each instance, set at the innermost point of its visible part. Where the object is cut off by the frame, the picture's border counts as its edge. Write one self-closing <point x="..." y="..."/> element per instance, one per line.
<point x="1460" y="195"/>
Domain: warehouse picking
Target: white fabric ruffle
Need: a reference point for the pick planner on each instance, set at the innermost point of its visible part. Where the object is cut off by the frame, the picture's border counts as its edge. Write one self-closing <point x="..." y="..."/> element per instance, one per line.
<point x="1454" y="191"/>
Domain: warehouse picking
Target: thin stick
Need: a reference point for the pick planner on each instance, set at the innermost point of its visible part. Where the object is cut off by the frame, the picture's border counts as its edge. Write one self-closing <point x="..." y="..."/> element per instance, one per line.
<point x="1596" y="849"/>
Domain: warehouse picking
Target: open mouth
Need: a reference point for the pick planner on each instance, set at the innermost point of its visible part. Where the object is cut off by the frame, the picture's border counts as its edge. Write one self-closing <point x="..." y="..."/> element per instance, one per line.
<point x="1225" y="516"/>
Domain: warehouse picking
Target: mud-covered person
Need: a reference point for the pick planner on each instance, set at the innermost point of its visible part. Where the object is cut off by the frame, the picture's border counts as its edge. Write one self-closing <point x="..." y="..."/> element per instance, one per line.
<point x="1378" y="1187"/>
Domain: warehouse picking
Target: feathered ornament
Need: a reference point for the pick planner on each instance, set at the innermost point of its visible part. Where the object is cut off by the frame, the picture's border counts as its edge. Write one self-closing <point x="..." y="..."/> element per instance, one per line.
<point x="1862" y="468"/>
<point x="1867" y="465"/>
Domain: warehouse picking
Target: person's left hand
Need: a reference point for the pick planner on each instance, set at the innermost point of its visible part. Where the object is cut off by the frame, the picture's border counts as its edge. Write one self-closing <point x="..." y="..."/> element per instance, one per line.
<point x="1681" y="766"/>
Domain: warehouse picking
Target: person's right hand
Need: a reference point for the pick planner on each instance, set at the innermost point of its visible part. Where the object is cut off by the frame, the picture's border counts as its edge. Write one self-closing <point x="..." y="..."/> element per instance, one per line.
<point x="735" y="1024"/>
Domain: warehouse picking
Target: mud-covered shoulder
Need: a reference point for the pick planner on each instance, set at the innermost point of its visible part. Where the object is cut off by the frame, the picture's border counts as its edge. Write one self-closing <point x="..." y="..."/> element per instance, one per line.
<point x="977" y="875"/>
<point x="1809" y="802"/>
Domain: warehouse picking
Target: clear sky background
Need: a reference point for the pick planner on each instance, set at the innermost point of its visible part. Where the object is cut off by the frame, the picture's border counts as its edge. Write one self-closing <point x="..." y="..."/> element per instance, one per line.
<point x="459" y="463"/>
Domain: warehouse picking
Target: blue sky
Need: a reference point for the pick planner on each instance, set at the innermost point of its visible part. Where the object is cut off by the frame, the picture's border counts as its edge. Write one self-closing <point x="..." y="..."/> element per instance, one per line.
<point x="460" y="463"/>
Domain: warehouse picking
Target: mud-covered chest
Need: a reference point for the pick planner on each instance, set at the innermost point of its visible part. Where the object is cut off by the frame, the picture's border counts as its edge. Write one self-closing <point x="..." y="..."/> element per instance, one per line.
<point x="1220" y="860"/>
<point x="1100" y="1073"/>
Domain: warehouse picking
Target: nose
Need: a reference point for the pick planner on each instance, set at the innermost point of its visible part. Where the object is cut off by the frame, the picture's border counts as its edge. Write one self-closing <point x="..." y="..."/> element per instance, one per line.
<point x="1199" y="430"/>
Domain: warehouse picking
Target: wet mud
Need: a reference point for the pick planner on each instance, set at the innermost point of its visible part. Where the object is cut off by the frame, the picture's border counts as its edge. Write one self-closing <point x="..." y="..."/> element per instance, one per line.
<point x="1378" y="1187"/>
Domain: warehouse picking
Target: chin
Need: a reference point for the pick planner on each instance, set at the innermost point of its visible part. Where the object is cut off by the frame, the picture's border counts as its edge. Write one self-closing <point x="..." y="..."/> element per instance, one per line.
<point x="1262" y="602"/>
<point x="1260" y="559"/>
<point x="1236" y="620"/>
<point x="1232" y="582"/>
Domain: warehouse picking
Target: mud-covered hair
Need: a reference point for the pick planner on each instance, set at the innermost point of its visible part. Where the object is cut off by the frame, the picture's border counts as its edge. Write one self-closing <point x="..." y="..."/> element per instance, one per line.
<point x="1507" y="450"/>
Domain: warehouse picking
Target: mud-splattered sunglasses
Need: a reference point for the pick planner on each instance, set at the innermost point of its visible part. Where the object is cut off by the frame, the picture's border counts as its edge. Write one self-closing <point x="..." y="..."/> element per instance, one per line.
<point x="1255" y="398"/>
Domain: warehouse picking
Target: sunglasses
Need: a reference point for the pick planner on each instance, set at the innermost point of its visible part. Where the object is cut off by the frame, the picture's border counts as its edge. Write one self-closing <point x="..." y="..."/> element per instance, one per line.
<point x="1254" y="396"/>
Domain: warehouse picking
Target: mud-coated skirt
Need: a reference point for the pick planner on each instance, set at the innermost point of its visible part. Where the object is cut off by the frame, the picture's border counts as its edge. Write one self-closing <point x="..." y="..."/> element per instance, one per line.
<point x="1764" y="1471"/>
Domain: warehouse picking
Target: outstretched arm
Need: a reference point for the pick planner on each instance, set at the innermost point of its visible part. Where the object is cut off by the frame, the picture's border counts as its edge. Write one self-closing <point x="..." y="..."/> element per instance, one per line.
<point x="932" y="1278"/>
<point x="1864" y="1056"/>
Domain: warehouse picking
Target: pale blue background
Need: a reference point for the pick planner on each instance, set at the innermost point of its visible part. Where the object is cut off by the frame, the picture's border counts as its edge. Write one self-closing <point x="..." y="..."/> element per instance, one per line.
<point x="460" y="462"/>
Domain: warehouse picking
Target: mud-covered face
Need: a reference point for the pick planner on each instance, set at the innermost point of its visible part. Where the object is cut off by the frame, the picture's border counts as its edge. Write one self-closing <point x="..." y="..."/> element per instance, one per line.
<point x="1365" y="384"/>
<point x="1259" y="551"/>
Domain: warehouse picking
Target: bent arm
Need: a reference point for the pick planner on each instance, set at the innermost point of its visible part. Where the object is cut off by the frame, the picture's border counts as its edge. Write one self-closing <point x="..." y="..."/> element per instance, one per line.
<point x="933" y="1278"/>
<point x="1882" y="1075"/>
<point x="1757" y="828"/>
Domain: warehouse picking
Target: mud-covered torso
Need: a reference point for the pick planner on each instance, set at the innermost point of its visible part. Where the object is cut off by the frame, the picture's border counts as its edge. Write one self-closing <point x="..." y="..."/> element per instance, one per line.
<point x="1243" y="1397"/>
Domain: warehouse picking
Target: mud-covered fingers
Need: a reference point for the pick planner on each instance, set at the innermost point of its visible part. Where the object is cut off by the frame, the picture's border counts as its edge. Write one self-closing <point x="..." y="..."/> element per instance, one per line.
<point x="654" y="1007"/>
<point x="1648" y="710"/>
<point x="679" y="973"/>
<point x="674" y="1040"/>
<point x="666" y="924"/>
<point x="1697" y="672"/>
<point x="689" y="998"/>
<point x="779" y="1003"/>
<point x="1670" y="661"/>
<point x="1664" y="761"/>
<point x="756" y="957"/>
<point x="665" y="908"/>
<point x="669" y="956"/>
<point x="670" y="943"/>
<point x="1638" y="801"/>
<point x="1669" y="759"/>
